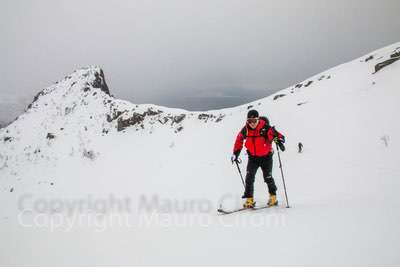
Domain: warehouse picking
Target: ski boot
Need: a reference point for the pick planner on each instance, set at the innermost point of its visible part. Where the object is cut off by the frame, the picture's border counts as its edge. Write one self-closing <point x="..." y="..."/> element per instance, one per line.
<point x="249" y="204"/>
<point x="272" y="201"/>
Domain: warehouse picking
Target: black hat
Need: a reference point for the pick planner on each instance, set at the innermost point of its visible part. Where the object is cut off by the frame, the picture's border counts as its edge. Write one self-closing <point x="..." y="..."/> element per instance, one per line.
<point x="252" y="114"/>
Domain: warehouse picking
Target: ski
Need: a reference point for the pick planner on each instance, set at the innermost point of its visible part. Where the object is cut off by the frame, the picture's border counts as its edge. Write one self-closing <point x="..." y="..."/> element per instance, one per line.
<point x="225" y="212"/>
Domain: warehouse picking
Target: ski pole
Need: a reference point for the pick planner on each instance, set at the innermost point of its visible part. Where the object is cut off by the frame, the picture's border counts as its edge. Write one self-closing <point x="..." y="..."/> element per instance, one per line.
<point x="283" y="178"/>
<point x="240" y="172"/>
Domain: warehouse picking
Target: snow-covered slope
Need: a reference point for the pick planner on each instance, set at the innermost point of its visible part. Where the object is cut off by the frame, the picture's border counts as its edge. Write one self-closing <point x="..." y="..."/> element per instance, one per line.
<point x="90" y="180"/>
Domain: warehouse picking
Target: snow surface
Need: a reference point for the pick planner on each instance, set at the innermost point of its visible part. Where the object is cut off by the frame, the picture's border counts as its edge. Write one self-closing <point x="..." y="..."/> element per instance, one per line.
<point x="343" y="189"/>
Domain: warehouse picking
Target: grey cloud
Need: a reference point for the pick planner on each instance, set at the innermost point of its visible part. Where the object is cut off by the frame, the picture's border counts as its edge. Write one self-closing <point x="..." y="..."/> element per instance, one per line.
<point x="156" y="51"/>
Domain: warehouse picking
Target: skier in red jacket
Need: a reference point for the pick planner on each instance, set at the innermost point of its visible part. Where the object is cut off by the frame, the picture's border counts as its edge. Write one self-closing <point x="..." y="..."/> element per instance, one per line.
<point x="259" y="136"/>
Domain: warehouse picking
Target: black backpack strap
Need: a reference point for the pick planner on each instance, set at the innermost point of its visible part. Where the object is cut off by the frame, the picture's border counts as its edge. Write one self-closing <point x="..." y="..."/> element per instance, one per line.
<point x="265" y="119"/>
<point x="244" y="132"/>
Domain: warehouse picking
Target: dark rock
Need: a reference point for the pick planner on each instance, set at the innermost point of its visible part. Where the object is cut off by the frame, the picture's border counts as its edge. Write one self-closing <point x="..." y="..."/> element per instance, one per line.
<point x="221" y="116"/>
<point x="205" y="117"/>
<point x="116" y="114"/>
<point x="163" y="120"/>
<point x="100" y="82"/>
<point x="299" y="85"/>
<point x="249" y="107"/>
<point x="151" y="112"/>
<point x="308" y="83"/>
<point x="7" y="138"/>
<point x="278" y="96"/>
<point x="50" y="136"/>
<point x="179" y="118"/>
<point x="11" y="189"/>
<point x="395" y="54"/>
<point x="124" y="123"/>
<point x="68" y="110"/>
<point x="368" y="58"/>
<point x="89" y="154"/>
<point x="35" y="98"/>
<point x="385" y="63"/>
<point x="108" y="118"/>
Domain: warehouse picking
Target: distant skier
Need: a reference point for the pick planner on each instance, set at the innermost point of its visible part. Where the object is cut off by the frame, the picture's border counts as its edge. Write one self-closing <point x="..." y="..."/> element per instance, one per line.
<point x="300" y="147"/>
<point x="259" y="136"/>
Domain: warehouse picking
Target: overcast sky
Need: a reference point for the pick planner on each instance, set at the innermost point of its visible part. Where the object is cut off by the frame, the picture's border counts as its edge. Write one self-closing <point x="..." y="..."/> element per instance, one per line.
<point x="193" y="54"/>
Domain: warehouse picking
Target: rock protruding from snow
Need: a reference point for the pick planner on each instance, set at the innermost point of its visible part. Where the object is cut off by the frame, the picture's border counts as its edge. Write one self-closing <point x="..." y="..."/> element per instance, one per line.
<point x="394" y="56"/>
<point x="100" y="82"/>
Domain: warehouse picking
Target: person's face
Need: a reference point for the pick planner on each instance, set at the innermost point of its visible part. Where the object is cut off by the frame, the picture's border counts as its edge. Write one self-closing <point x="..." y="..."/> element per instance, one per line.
<point x="253" y="122"/>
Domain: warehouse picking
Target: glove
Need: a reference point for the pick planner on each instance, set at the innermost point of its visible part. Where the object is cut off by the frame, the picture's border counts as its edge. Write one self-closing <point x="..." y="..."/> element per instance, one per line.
<point x="235" y="158"/>
<point x="281" y="146"/>
<point x="279" y="142"/>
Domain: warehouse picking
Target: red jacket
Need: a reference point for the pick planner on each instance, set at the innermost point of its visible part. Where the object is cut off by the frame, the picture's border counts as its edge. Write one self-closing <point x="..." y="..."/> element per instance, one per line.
<point x="258" y="141"/>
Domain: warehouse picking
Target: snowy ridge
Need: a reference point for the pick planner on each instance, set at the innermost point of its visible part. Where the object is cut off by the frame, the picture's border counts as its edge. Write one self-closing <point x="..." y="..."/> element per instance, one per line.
<point x="65" y="117"/>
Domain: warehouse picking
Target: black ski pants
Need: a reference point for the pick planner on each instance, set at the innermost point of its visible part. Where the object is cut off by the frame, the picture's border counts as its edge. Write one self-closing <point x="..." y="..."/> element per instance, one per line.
<point x="253" y="164"/>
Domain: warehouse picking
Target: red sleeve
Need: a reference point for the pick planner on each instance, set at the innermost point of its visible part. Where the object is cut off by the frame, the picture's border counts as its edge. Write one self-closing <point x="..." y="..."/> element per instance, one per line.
<point x="238" y="143"/>
<point x="271" y="133"/>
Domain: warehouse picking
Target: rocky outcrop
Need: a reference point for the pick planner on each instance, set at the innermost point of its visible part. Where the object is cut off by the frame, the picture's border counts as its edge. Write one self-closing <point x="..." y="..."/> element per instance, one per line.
<point x="50" y="136"/>
<point x="278" y="96"/>
<point x="135" y="119"/>
<point x="308" y="83"/>
<point x="100" y="82"/>
<point x="393" y="58"/>
<point x="210" y="117"/>
<point x="91" y="77"/>
<point x="369" y="58"/>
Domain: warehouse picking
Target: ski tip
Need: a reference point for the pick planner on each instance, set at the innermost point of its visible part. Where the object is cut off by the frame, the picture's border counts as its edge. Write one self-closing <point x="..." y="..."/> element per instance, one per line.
<point x="223" y="212"/>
